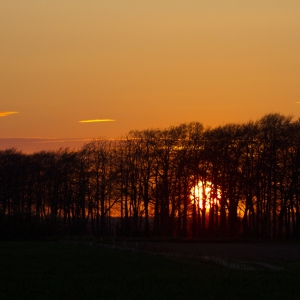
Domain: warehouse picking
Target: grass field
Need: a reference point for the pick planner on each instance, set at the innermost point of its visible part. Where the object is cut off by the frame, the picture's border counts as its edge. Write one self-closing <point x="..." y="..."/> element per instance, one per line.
<point x="53" y="270"/>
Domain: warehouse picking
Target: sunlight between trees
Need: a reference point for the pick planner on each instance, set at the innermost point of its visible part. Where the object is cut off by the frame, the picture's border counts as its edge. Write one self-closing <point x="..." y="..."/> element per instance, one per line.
<point x="183" y="181"/>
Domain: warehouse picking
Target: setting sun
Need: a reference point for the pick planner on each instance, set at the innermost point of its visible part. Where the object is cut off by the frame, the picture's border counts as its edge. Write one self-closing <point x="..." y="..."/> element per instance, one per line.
<point x="203" y="193"/>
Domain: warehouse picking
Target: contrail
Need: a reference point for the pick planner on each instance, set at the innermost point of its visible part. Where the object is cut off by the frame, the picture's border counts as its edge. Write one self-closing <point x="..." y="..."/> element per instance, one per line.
<point x="6" y="113"/>
<point x="97" y="121"/>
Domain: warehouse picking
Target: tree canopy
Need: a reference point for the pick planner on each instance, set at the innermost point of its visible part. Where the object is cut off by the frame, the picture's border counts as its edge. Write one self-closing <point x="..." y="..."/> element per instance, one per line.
<point x="145" y="184"/>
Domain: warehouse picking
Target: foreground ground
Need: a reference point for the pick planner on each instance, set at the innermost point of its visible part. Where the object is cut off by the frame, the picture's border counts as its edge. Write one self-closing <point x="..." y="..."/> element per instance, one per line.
<point x="260" y="251"/>
<point x="53" y="270"/>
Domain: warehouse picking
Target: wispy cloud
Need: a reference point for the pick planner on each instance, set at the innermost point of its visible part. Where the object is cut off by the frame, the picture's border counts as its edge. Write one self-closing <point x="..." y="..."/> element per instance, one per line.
<point x="65" y="140"/>
<point x="7" y="113"/>
<point x="97" y="121"/>
<point x="297" y="102"/>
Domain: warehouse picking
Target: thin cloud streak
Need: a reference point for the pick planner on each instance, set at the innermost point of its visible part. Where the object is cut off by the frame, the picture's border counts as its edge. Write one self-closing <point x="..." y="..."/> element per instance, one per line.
<point x="96" y="121"/>
<point x="7" y="113"/>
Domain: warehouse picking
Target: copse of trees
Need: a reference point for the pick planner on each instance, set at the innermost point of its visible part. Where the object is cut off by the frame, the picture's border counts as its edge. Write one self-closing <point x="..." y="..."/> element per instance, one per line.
<point x="144" y="184"/>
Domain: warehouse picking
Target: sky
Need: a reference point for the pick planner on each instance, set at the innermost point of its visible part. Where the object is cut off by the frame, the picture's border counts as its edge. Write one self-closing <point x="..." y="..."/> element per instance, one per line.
<point x="134" y="65"/>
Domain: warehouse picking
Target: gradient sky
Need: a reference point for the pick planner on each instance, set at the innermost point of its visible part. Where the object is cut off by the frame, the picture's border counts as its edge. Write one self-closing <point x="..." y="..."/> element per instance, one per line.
<point x="144" y="64"/>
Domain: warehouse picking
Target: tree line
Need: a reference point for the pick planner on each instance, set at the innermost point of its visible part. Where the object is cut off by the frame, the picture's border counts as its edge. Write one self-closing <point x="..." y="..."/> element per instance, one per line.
<point x="144" y="184"/>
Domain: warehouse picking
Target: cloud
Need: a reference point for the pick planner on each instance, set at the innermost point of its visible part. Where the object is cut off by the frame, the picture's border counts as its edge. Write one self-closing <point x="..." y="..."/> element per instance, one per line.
<point x="6" y="113"/>
<point x="297" y="102"/>
<point x="97" y="121"/>
<point x="62" y="140"/>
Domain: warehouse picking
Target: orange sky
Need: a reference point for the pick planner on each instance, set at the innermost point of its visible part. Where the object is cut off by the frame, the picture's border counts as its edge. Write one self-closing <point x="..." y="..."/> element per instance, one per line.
<point x="144" y="64"/>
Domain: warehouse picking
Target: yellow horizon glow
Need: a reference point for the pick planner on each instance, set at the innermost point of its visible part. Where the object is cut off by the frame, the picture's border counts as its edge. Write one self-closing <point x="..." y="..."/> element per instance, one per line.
<point x="7" y="113"/>
<point x="97" y="121"/>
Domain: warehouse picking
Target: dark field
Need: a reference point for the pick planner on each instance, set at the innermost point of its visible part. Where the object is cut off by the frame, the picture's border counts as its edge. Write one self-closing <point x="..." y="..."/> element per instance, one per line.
<point x="53" y="270"/>
<point x="275" y="251"/>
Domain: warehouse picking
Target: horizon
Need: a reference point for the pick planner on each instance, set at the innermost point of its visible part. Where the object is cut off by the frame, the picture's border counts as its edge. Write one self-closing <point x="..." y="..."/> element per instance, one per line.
<point x="31" y="145"/>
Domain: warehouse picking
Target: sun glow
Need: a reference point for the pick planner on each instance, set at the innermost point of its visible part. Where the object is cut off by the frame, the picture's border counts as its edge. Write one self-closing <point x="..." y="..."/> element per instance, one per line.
<point x="205" y="195"/>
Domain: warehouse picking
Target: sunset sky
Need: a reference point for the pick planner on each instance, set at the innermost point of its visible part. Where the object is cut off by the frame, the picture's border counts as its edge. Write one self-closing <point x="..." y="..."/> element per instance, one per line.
<point x="143" y="64"/>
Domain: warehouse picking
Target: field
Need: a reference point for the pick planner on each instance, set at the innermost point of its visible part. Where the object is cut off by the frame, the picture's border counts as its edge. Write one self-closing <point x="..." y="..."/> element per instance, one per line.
<point x="57" y="270"/>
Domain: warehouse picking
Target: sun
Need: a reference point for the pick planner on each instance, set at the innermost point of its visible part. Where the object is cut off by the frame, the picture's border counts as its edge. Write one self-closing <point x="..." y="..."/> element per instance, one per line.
<point x="203" y="193"/>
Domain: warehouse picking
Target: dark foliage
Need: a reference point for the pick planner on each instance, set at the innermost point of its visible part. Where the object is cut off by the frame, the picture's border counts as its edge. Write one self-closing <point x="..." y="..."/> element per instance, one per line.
<point x="142" y="185"/>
